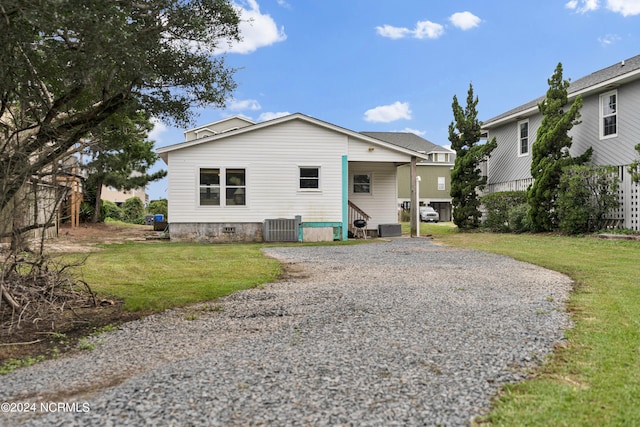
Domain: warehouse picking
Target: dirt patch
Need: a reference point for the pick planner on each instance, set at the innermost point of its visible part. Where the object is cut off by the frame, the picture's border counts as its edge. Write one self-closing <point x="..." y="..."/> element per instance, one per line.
<point x="53" y="337"/>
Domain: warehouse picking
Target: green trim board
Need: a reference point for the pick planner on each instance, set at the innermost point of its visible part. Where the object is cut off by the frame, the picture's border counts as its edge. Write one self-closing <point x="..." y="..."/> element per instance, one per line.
<point x="345" y="197"/>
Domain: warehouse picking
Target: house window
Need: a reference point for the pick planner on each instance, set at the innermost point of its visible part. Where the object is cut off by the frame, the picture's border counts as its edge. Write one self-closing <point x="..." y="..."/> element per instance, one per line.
<point x="236" y="187"/>
<point x="210" y="187"/>
<point x="362" y="183"/>
<point x="441" y="183"/>
<point x="309" y="178"/>
<point x="523" y="137"/>
<point x="609" y="114"/>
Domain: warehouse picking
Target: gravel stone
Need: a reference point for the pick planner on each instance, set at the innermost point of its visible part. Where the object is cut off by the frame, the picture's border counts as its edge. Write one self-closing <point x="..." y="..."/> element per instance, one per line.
<point x="395" y="333"/>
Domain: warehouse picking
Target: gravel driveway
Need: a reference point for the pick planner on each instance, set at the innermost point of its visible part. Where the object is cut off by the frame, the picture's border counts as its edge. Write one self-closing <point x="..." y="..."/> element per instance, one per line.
<point x="403" y="332"/>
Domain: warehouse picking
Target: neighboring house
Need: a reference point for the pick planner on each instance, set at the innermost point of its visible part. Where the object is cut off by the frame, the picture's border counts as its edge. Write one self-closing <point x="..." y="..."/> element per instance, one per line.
<point x="610" y="123"/>
<point x="42" y="205"/>
<point x="434" y="172"/>
<point x="291" y="178"/>
<point x="120" y="196"/>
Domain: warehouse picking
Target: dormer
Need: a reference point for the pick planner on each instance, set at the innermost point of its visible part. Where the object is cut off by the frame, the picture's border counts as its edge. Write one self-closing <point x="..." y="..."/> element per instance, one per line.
<point x="221" y="126"/>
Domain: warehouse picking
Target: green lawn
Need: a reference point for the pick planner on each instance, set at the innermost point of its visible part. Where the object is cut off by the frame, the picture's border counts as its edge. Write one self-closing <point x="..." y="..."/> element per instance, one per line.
<point x="164" y="275"/>
<point x="595" y="379"/>
<point x="592" y="381"/>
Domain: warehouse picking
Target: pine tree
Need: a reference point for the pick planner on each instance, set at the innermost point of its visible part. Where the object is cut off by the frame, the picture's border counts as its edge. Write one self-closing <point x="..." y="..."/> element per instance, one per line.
<point x="121" y="155"/>
<point x="466" y="178"/>
<point x="550" y="152"/>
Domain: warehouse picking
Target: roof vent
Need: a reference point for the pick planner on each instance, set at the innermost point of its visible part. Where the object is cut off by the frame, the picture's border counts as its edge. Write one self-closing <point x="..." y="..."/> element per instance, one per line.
<point x="622" y="63"/>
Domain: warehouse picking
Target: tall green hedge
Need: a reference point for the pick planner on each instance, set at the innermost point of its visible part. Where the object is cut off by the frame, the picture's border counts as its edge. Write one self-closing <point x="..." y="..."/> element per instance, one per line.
<point x="504" y="210"/>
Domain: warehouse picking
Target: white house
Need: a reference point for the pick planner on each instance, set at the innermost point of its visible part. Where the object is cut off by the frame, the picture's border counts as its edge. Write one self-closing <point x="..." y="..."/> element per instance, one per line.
<point x="610" y="124"/>
<point x="291" y="178"/>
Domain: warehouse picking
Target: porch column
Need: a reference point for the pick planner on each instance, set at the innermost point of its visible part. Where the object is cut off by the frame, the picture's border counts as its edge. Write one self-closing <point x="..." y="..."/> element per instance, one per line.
<point x="413" y="211"/>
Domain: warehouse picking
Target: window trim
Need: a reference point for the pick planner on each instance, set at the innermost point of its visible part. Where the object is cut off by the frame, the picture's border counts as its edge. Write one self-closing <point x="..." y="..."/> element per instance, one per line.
<point x="201" y="186"/>
<point x="442" y="181"/>
<point x="602" y="116"/>
<point x="310" y="190"/>
<point x="222" y="186"/>
<point x="353" y="183"/>
<point x="237" y="187"/>
<point x="520" y="138"/>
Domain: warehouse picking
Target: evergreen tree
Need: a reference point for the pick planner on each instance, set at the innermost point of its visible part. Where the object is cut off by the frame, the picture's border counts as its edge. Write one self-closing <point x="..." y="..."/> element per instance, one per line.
<point x="550" y="152"/>
<point x="466" y="178"/>
<point x="634" y="168"/>
<point x="121" y="156"/>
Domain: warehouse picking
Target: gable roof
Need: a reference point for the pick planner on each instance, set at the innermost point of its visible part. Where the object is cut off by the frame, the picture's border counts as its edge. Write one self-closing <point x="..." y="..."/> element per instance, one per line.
<point x="408" y="140"/>
<point x="616" y="74"/>
<point x="163" y="151"/>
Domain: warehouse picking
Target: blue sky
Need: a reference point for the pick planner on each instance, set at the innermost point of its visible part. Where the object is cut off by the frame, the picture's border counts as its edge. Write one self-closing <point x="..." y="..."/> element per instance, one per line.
<point x="394" y="65"/>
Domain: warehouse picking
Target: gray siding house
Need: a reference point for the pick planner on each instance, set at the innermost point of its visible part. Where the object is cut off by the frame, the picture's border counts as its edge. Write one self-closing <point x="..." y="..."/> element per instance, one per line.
<point x="610" y="124"/>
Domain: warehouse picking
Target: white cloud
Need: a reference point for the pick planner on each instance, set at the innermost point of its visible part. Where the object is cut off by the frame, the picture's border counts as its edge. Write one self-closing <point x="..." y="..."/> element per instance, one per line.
<point x="428" y="29"/>
<point x="424" y="29"/>
<point x="256" y="30"/>
<point x="624" y="7"/>
<point x="582" y="6"/>
<point x="464" y="20"/>
<point x="388" y="113"/>
<point x="272" y="115"/>
<point x="608" y="39"/>
<point x="158" y="129"/>
<point x="393" y="32"/>
<point x="245" y="104"/>
<point x="414" y="131"/>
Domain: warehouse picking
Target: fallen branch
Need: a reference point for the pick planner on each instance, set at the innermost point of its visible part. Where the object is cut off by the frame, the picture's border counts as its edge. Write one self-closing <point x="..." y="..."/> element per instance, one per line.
<point x="8" y="298"/>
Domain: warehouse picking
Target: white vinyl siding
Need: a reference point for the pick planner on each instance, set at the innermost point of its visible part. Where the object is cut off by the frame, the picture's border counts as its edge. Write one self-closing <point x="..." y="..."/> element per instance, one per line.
<point x="382" y="207"/>
<point x="271" y="159"/>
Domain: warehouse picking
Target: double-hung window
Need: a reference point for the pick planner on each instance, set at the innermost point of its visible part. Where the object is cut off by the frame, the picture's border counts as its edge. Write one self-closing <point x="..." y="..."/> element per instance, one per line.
<point x="523" y="138"/>
<point x="309" y="178"/>
<point x="609" y="114"/>
<point x="236" y="187"/>
<point x="362" y="183"/>
<point x="211" y="187"/>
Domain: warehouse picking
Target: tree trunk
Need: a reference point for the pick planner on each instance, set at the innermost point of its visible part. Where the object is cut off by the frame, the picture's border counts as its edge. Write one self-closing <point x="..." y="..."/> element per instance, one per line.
<point x="98" y="204"/>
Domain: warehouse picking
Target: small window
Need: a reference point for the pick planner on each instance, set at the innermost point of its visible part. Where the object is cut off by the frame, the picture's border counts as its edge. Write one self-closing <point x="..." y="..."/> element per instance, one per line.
<point x="609" y="114"/>
<point x="441" y="183"/>
<point x="309" y="178"/>
<point x="523" y="138"/>
<point x="235" y="187"/>
<point x="210" y="187"/>
<point x="362" y="183"/>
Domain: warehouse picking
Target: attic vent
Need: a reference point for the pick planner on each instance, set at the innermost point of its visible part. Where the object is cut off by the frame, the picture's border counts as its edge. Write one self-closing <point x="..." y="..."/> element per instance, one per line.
<point x="229" y="130"/>
<point x="281" y="230"/>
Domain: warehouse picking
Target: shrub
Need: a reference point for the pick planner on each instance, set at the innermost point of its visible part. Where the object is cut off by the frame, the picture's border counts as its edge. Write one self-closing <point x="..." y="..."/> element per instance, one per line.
<point x="133" y="211"/>
<point x="518" y="218"/>
<point x="109" y="209"/>
<point x="498" y="205"/>
<point x="587" y="195"/>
